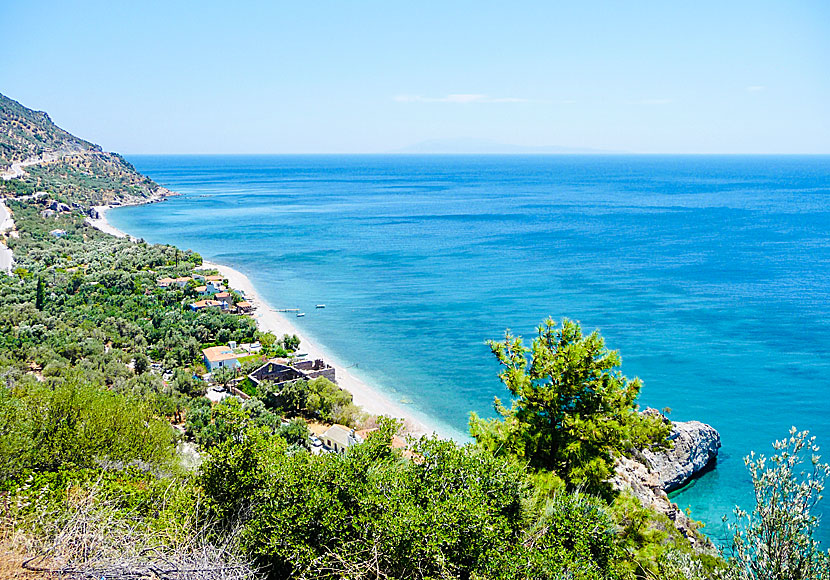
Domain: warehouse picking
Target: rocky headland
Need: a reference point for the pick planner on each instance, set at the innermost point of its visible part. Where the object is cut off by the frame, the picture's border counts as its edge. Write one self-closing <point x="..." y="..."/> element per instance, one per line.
<point x="650" y="475"/>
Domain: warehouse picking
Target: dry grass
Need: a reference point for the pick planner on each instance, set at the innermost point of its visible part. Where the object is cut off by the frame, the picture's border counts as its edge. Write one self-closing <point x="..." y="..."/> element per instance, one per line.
<point x="12" y="557"/>
<point x="95" y="540"/>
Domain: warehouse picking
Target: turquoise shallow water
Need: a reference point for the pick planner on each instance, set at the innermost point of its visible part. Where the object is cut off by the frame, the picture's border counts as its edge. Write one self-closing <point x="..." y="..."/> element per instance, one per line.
<point x="711" y="275"/>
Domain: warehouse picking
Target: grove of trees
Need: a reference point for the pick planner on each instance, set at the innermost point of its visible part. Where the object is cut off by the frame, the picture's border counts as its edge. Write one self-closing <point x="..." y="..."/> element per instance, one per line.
<point x="113" y="464"/>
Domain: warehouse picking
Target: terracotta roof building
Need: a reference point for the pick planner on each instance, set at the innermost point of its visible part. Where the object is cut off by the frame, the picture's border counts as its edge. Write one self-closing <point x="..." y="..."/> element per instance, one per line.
<point x="219" y="357"/>
<point x="205" y="304"/>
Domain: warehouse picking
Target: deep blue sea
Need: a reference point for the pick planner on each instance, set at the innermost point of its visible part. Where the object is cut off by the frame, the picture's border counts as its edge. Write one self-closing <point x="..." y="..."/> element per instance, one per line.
<point x="711" y="275"/>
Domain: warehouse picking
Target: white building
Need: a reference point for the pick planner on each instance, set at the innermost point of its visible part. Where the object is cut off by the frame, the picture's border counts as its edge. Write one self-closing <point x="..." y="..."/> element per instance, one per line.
<point x="217" y="357"/>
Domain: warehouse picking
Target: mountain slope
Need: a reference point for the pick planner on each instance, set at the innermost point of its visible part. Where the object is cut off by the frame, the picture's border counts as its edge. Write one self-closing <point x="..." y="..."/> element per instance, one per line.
<point x="37" y="155"/>
<point x="25" y="133"/>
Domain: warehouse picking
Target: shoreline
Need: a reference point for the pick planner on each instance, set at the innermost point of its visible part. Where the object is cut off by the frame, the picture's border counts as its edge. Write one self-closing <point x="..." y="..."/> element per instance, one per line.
<point x="101" y="223"/>
<point x="371" y="399"/>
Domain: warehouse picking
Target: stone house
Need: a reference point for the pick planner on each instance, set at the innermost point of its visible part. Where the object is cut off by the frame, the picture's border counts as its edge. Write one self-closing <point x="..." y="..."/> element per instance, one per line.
<point x="279" y="371"/>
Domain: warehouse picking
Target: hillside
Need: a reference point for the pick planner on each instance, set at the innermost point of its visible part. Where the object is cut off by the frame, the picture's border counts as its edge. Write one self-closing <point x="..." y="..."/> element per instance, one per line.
<point x="37" y="155"/>
<point x="125" y="454"/>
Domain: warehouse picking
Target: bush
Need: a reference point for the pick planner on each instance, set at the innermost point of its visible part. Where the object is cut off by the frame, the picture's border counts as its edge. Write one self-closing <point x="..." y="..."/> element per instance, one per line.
<point x="74" y="424"/>
<point x="573" y="412"/>
<point x="776" y="541"/>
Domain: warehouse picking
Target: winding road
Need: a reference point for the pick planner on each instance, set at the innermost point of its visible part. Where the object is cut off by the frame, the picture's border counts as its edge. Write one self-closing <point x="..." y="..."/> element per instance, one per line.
<point x="16" y="170"/>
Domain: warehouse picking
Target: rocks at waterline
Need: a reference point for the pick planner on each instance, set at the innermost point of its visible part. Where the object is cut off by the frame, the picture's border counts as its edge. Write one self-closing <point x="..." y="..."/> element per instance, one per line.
<point x="695" y="449"/>
<point x="653" y="473"/>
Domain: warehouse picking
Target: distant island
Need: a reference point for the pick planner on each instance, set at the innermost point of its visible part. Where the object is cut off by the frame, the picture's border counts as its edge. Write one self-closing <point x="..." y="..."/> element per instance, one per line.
<point x="488" y="147"/>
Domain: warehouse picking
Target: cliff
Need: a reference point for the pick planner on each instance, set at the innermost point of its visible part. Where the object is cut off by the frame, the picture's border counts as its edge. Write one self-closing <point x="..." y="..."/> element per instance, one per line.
<point x="25" y="133"/>
<point x="652" y="474"/>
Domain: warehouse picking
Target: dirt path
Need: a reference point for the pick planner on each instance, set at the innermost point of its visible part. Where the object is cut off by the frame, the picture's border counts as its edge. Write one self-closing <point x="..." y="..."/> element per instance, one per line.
<point x="16" y="170"/>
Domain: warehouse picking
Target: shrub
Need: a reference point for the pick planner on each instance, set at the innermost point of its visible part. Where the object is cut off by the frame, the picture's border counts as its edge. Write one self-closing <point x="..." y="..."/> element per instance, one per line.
<point x="775" y="541"/>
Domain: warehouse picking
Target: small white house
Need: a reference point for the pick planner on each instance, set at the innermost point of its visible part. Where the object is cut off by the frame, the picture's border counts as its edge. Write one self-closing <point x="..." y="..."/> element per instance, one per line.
<point x="339" y="438"/>
<point x="209" y="288"/>
<point x="217" y="357"/>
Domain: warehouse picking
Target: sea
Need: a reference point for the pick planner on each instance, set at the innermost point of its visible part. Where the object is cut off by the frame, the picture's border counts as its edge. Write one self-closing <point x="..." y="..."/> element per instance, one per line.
<point x="710" y="275"/>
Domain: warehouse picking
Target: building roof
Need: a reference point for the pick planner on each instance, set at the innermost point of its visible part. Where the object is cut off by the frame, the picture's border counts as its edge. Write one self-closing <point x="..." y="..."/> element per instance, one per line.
<point x="219" y="353"/>
<point x="340" y="434"/>
<point x="204" y="303"/>
<point x="201" y="288"/>
<point x="214" y="278"/>
<point x="183" y="279"/>
<point x="221" y="295"/>
<point x="243" y="304"/>
<point x="165" y="281"/>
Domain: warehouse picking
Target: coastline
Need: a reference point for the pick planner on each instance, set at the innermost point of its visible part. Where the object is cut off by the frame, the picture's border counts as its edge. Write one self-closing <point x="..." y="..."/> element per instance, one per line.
<point x="267" y="318"/>
<point x="101" y="223"/>
<point x="370" y="398"/>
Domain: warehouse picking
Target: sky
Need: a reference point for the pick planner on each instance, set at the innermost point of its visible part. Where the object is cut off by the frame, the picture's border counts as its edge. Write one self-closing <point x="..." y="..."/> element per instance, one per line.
<point x="383" y="76"/>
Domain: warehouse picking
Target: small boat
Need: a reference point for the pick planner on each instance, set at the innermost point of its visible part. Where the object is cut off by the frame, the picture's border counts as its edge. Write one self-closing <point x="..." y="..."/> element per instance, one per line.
<point x="299" y="314"/>
<point x="321" y="306"/>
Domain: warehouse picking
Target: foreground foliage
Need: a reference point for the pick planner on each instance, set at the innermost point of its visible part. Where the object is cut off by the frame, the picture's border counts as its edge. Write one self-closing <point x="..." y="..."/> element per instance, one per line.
<point x="77" y="425"/>
<point x="452" y="512"/>
<point x="776" y="540"/>
<point x="573" y="413"/>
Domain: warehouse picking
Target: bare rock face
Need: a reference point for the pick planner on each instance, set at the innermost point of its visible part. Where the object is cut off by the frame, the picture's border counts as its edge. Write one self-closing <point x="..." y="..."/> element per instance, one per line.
<point x="654" y="473"/>
<point x="633" y="476"/>
<point x="695" y="449"/>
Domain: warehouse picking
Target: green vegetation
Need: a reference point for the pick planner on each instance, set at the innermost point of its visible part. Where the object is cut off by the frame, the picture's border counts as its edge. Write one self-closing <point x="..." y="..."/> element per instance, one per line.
<point x="454" y="512"/>
<point x="72" y="424"/>
<point x="572" y="412"/>
<point x="317" y="399"/>
<point x="776" y="539"/>
<point x="113" y="464"/>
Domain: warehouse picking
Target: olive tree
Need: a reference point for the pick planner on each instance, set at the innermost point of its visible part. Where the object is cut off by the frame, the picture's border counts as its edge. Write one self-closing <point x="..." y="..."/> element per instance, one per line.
<point x="775" y="541"/>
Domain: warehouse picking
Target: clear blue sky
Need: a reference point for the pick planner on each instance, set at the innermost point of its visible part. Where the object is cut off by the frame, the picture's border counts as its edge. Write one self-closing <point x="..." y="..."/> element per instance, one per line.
<point x="351" y="76"/>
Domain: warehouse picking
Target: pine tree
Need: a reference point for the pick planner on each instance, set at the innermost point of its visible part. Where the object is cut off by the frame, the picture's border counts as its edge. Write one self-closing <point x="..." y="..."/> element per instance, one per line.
<point x="573" y="412"/>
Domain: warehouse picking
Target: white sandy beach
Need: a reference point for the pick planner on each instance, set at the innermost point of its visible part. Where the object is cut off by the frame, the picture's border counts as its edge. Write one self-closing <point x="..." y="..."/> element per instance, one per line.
<point x="102" y="224"/>
<point x="268" y="319"/>
<point x="370" y="398"/>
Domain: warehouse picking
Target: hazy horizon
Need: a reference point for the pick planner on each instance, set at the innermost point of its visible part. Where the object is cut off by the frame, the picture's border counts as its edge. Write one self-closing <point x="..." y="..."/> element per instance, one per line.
<point x="336" y="78"/>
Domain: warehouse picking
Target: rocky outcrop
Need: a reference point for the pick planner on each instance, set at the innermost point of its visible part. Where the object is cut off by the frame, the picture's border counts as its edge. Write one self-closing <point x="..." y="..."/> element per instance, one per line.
<point x="58" y="206"/>
<point x="652" y="474"/>
<point x="695" y="449"/>
<point x="644" y="484"/>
